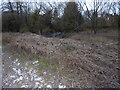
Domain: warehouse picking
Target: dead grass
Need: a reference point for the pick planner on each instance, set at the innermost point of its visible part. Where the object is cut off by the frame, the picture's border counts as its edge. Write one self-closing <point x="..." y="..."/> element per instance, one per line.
<point x="102" y="35"/>
<point x="6" y="38"/>
<point x="80" y="57"/>
<point x="89" y="38"/>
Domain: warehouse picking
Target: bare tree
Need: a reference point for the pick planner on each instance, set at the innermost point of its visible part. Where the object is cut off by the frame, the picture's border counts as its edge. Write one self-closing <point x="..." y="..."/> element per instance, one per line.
<point x="97" y="7"/>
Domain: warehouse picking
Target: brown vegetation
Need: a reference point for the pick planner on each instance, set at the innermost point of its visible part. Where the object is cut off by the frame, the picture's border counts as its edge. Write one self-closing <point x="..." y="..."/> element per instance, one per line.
<point x="92" y="64"/>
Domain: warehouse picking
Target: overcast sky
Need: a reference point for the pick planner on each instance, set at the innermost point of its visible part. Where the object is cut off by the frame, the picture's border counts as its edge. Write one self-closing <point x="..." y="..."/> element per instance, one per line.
<point x="88" y="2"/>
<point x="59" y="0"/>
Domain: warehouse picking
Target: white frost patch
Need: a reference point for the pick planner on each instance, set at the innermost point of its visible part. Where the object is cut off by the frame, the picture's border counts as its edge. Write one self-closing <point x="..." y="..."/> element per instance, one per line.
<point x="27" y="78"/>
<point x="34" y="71"/>
<point x="42" y="81"/>
<point x="30" y="71"/>
<point x="40" y="86"/>
<point x="12" y="76"/>
<point x="0" y="47"/>
<point x="38" y="79"/>
<point x="35" y="62"/>
<point x="18" y="79"/>
<point x="32" y="78"/>
<point x="36" y="84"/>
<point x="18" y="64"/>
<point x="34" y="75"/>
<point x="49" y="86"/>
<point x="17" y="70"/>
<point x="24" y="86"/>
<point x="44" y="72"/>
<point x="14" y="69"/>
<point x="16" y="60"/>
<point x="25" y="68"/>
<point x="6" y="83"/>
<point x="61" y="86"/>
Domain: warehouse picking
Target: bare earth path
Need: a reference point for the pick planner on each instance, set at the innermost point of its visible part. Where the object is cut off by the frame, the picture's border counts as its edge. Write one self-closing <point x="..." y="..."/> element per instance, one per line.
<point x="30" y="60"/>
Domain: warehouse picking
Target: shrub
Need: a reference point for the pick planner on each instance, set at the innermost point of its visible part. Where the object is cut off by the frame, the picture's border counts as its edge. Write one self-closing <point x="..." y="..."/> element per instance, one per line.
<point x="47" y="31"/>
<point x="24" y="29"/>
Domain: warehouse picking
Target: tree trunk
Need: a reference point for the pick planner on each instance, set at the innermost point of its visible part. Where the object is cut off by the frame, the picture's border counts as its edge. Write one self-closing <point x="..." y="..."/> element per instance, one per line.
<point x="11" y="9"/>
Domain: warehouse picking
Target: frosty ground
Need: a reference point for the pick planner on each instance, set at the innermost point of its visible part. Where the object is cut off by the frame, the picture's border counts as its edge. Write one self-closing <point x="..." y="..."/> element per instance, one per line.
<point x="80" y="60"/>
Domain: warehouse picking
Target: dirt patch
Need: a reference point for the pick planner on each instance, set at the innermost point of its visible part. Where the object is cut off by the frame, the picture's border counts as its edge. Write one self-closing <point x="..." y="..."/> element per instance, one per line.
<point x="78" y="63"/>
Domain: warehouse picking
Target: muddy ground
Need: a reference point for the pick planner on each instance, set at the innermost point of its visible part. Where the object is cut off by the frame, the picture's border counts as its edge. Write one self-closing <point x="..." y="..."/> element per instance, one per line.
<point x="82" y="60"/>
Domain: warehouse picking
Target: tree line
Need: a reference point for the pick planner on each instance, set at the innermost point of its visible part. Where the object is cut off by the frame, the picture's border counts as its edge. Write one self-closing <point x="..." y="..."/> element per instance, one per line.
<point x="46" y="18"/>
